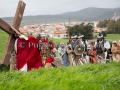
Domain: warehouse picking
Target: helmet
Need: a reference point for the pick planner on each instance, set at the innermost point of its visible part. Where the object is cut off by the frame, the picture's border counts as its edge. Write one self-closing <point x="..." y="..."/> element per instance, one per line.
<point x="42" y="34"/>
<point x="80" y="35"/>
<point x="73" y="35"/>
<point x="99" y="35"/>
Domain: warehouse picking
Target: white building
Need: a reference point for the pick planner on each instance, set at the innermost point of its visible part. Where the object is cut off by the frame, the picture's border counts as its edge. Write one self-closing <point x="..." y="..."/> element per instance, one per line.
<point x="58" y="34"/>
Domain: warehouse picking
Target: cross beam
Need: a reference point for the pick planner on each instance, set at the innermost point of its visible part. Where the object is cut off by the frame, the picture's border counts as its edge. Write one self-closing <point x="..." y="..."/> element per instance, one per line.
<point x="18" y="15"/>
<point x="7" y="28"/>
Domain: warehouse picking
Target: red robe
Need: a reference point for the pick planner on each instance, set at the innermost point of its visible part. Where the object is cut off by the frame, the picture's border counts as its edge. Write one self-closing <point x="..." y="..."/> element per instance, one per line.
<point x="28" y="52"/>
<point x="30" y="36"/>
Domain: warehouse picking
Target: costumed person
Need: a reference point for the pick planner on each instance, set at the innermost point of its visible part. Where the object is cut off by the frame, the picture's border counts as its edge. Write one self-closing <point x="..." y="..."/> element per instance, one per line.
<point x="54" y="50"/>
<point x="84" y="43"/>
<point x="27" y="53"/>
<point x="102" y="46"/>
<point x="92" y="53"/>
<point x="61" y="49"/>
<point x="116" y="51"/>
<point x="46" y="47"/>
<point x="63" y="54"/>
<point x="109" y="55"/>
<point x="70" y="53"/>
<point x="74" y="43"/>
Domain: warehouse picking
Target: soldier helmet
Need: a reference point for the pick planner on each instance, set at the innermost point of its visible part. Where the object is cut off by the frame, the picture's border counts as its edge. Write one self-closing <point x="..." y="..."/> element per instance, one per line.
<point x="42" y="34"/>
<point x="74" y="36"/>
<point x="80" y="35"/>
<point x="100" y="35"/>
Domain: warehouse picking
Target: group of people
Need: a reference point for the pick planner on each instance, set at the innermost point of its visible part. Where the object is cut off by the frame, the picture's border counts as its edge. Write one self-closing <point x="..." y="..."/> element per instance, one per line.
<point x="68" y="52"/>
<point x="79" y="51"/>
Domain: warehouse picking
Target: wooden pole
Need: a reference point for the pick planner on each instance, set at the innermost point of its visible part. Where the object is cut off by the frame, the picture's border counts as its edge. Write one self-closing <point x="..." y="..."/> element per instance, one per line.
<point x="68" y="30"/>
<point x="11" y="40"/>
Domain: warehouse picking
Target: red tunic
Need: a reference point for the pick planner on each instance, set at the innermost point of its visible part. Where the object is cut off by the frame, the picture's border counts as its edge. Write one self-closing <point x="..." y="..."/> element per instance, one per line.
<point x="28" y="52"/>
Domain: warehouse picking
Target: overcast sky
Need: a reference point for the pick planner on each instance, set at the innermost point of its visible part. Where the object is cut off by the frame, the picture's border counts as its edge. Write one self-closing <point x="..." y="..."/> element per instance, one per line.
<point x="43" y="7"/>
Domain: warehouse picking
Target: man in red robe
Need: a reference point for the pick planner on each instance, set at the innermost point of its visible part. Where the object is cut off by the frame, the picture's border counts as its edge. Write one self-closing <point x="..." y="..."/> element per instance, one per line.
<point x="28" y="54"/>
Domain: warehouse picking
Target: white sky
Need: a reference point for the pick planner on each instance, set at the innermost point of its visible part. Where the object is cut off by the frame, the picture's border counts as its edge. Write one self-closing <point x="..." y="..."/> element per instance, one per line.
<point x="43" y="7"/>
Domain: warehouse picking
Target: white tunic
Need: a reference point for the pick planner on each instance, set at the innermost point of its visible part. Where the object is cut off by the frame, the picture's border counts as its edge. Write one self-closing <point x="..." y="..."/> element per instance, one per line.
<point x="87" y="44"/>
<point x="106" y="45"/>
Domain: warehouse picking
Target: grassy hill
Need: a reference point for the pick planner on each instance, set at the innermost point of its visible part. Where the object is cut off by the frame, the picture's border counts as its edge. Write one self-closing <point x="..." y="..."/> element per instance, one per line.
<point x="83" y="77"/>
<point x="3" y="38"/>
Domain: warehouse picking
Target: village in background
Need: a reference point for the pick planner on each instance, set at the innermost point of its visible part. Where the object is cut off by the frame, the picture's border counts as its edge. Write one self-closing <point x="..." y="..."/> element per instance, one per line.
<point x="59" y="30"/>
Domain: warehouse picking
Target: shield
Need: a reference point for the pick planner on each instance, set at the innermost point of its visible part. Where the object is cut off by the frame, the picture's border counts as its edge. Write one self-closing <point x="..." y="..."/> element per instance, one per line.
<point x="79" y="49"/>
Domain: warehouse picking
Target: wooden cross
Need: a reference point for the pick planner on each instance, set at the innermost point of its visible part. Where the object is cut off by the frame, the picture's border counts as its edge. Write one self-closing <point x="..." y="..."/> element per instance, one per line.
<point x="7" y="28"/>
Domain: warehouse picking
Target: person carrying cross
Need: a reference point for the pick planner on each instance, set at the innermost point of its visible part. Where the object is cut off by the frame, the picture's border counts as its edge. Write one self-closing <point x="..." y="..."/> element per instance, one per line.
<point x="28" y="55"/>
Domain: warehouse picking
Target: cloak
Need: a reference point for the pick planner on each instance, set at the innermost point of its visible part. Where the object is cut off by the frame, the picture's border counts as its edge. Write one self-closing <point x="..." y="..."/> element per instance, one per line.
<point x="28" y="53"/>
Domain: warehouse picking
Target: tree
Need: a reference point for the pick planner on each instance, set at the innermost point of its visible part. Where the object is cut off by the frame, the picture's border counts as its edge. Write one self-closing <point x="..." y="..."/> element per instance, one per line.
<point x="104" y="33"/>
<point x="113" y="27"/>
<point x="86" y="30"/>
<point x="103" y="23"/>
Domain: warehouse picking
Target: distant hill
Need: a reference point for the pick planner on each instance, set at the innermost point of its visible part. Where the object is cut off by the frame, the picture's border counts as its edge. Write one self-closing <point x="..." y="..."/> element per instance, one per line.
<point x="89" y="14"/>
<point x="92" y="13"/>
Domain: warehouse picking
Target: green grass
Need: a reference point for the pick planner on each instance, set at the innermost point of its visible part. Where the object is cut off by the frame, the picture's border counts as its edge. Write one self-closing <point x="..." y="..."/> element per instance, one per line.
<point x="85" y="77"/>
<point x="55" y="40"/>
<point x="3" y="38"/>
<point x="111" y="37"/>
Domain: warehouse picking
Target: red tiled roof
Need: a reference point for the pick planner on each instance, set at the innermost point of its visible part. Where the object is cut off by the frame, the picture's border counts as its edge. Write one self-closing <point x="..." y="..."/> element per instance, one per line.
<point x="59" y="32"/>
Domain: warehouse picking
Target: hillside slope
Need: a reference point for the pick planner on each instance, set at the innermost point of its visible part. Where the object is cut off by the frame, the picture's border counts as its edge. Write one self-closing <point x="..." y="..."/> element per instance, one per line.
<point x="85" y="77"/>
